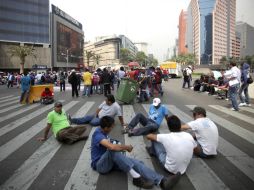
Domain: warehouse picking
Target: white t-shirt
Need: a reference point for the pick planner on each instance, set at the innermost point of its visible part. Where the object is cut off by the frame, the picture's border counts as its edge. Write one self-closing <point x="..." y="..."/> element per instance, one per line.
<point x="179" y="148"/>
<point x="235" y="72"/>
<point x="112" y="110"/>
<point x="206" y="133"/>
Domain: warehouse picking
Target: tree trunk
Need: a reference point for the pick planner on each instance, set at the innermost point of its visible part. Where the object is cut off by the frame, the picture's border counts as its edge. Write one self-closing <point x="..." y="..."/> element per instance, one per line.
<point x="21" y="71"/>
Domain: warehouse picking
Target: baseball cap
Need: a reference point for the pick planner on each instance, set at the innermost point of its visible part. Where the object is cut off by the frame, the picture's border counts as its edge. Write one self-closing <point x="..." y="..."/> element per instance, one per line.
<point x="199" y="110"/>
<point x="156" y="101"/>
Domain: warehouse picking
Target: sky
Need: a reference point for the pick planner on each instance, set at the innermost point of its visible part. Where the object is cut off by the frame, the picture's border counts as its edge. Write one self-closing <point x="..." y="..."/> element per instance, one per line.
<point x="151" y="21"/>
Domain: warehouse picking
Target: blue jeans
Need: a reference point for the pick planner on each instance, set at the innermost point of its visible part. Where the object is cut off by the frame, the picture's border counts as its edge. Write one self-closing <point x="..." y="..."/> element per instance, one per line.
<point x="111" y="160"/>
<point x="233" y="92"/>
<point x="91" y="119"/>
<point x="244" y="88"/>
<point x="87" y="90"/>
<point x="149" y="125"/>
<point x="160" y="152"/>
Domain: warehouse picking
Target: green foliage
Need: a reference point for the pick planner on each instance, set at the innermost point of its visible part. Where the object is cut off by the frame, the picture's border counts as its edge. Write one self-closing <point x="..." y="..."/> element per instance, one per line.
<point x="189" y="59"/>
<point x="125" y="56"/>
<point x="141" y="58"/>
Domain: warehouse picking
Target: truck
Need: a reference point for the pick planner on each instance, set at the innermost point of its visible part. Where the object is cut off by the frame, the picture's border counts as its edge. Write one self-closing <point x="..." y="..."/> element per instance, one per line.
<point x="174" y="69"/>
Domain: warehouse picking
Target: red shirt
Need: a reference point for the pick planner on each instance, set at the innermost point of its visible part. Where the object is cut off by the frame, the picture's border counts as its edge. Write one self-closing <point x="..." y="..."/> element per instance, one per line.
<point x="46" y="94"/>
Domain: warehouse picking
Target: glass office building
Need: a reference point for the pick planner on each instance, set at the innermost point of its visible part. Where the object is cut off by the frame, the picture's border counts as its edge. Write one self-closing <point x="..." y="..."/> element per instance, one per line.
<point x="25" y="21"/>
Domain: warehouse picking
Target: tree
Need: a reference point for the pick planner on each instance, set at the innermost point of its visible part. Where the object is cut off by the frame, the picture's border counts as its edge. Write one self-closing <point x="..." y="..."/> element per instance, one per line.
<point x="89" y="55"/>
<point x="96" y="59"/>
<point x="189" y="59"/>
<point x="125" y="56"/>
<point x="141" y="58"/>
<point x="22" y="52"/>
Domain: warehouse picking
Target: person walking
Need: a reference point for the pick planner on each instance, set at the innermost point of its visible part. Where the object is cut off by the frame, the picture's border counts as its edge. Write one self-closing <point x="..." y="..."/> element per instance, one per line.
<point x="120" y="74"/>
<point x="187" y="76"/>
<point x="73" y="80"/>
<point x="106" y="81"/>
<point x="245" y="74"/>
<point x="62" y="81"/>
<point x="11" y="79"/>
<point x="25" y="87"/>
<point x="87" y="77"/>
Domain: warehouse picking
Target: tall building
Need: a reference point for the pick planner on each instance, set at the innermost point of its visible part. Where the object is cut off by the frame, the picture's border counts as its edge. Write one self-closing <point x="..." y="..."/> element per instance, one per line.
<point x="142" y="46"/>
<point x="246" y="32"/>
<point x="236" y="46"/>
<point x="182" y="48"/>
<point x="24" y="22"/>
<point x="213" y="29"/>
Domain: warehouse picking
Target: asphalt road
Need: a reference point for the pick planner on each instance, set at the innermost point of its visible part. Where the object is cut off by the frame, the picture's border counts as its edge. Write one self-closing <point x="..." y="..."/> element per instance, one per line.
<point x="26" y="163"/>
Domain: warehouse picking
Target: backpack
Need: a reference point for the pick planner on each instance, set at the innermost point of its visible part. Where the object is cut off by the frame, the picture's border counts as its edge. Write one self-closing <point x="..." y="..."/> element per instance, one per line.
<point x="185" y="72"/>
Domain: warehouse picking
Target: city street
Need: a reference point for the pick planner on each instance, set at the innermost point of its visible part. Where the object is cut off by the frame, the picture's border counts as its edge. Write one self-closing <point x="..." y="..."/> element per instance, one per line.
<point x="26" y="163"/>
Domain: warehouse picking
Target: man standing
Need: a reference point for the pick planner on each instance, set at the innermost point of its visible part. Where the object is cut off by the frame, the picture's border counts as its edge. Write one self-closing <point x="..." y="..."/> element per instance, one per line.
<point x="107" y="156"/>
<point x="73" y="80"/>
<point x="87" y="77"/>
<point x="62" y="81"/>
<point x="173" y="150"/>
<point x="155" y="116"/>
<point x="187" y="76"/>
<point x="25" y="87"/>
<point x="245" y="74"/>
<point x="120" y="74"/>
<point x="205" y="133"/>
<point x="105" y="77"/>
<point x="63" y="132"/>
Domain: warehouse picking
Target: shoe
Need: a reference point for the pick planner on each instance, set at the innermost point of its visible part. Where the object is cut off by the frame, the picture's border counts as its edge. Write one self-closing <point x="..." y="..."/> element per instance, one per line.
<point x="150" y="151"/>
<point x="125" y="130"/>
<point x="233" y="109"/>
<point x="168" y="183"/>
<point x="130" y="133"/>
<point x="69" y="118"/>
<point x="143" y="183"/>
<point x="242" y="104"/>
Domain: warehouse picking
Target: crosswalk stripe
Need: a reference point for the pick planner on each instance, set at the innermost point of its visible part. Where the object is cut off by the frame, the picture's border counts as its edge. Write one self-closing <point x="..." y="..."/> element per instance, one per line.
<point x="200" y="175"/>
<point x="233" y="113"/>
<point x="10" y="108"/>
<point x="248" y="109"/>
<point x="9" y="103"/>
<point x="5" y="97"/>
<point x="139" y="151"/>
<point x="16" y="123"/>
<point x="18" y="141"/>
<point x="13" y="114"/>
<point x="9" y="99"/>
<point x="241" y="160"/>
<point x="30" y="170"/>
<point x="236" y="129"/>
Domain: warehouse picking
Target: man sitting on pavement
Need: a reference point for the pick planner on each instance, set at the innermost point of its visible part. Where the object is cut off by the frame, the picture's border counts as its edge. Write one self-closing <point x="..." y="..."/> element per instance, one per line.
<point x="173" y="150"/>
<point x="155" y="116"/>
<point x="205" y="133"/>
<point x="109" y="107"/>
<point x="57" y="120"/>
<point x="47" y="97"/>
<point x="107" y="156"/>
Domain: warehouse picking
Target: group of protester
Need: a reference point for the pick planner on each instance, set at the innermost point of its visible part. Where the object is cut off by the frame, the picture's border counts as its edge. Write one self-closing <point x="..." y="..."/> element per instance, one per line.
<point x="232" y="84"/>
<point x="173" y="150"/>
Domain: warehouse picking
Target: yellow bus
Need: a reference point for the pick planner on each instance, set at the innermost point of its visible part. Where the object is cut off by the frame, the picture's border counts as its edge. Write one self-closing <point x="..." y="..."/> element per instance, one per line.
<point x="174" y="69"/>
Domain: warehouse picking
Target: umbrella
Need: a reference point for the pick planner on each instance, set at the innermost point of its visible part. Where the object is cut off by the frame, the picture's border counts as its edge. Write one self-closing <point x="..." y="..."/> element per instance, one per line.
<point x="217" y="74"/>
<point x="133" y="64"/>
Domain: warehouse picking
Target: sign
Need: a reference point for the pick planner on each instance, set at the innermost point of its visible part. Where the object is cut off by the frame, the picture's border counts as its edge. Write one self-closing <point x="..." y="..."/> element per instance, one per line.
<point x="39" y="66"/>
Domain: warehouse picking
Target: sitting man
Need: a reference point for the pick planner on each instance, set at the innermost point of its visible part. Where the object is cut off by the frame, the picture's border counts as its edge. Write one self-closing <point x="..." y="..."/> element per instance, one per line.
<point x="173" y="150"/>
<point x="108" y="108"/>
<point x="107" y="156"/>
<point x="57" y="120"/>
<point x="205" y="133"/>
<point x="155" y="116"/>
<point x="47" y="97"/>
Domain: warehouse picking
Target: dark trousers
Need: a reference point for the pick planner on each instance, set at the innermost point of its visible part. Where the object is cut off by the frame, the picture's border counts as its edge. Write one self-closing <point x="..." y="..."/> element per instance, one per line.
<point x="186" y="80"/>
<point x="107" y="89"/>
<point x="10" y="83"/>
<point x="70" y="135"/>
<point x="74" y="89"/>
<point x="62" y="86"/>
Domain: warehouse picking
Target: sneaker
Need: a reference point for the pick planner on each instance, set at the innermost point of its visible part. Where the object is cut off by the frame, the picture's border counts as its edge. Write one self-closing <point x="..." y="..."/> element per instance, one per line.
<point x="242" y="104"/>
<point x="125" y="130"/>
<point x="143" y="183"/>
<point x="130" y="133"/>
<point x="233" y="109"/>
<point x="168" y="183"/>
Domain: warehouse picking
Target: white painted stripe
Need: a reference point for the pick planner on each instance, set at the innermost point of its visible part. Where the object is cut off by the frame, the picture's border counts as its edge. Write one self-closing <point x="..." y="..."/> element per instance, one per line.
<point x="200" y="175"/>
<point x="83" y="176"/>
<point x="11" y="146"/>
<point x="9" y="103"/>
<point x="139" y="152"/>
<point x="10" y="108"/>
<point x="9" y="99"/>
<point x="248" y="109"/>
<point x="30" y="170"/>
<point x="6" y="97"/>
<point x="13" y="114"/>
<point x="233" y="113"/>
<point x="236" y="129"/>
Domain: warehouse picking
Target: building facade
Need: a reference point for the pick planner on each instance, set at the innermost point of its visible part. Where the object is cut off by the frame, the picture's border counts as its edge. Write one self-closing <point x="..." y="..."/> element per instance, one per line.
<point x="24" y="23"/>
<point x="236" y="46"/>
<point x="67" y="39"/>
<point x="182" y="48"/>
<point x="213" y="29"/>
<point x="142" y="46"/>
<point x="246" y="33"/>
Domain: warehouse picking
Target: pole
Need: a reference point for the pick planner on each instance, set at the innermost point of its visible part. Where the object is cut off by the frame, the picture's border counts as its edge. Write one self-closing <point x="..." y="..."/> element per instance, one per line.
<point x="67" y="59"/>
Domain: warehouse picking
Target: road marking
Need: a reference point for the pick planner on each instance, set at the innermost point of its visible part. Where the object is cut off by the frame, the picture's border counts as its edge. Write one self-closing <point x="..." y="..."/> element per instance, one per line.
<point x="11" y="146"/>
<point x="9" y="103"/>
<point x="10" y="108"/>
<point x="200" y="175"/>
<point x="233" y="113"/>
<point x="13" y="114"/>
<point x="6" y="97"/>
<point x="9" y="99"/>
<point x="236" y="129"/>
<point x="31" y="169"/>
<point x="248" y="109"/>
<point x="139" y="152"/>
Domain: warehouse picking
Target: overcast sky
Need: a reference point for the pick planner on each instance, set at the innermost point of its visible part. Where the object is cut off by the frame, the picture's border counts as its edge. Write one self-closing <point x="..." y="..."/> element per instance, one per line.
<point x="151" y="21"/>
